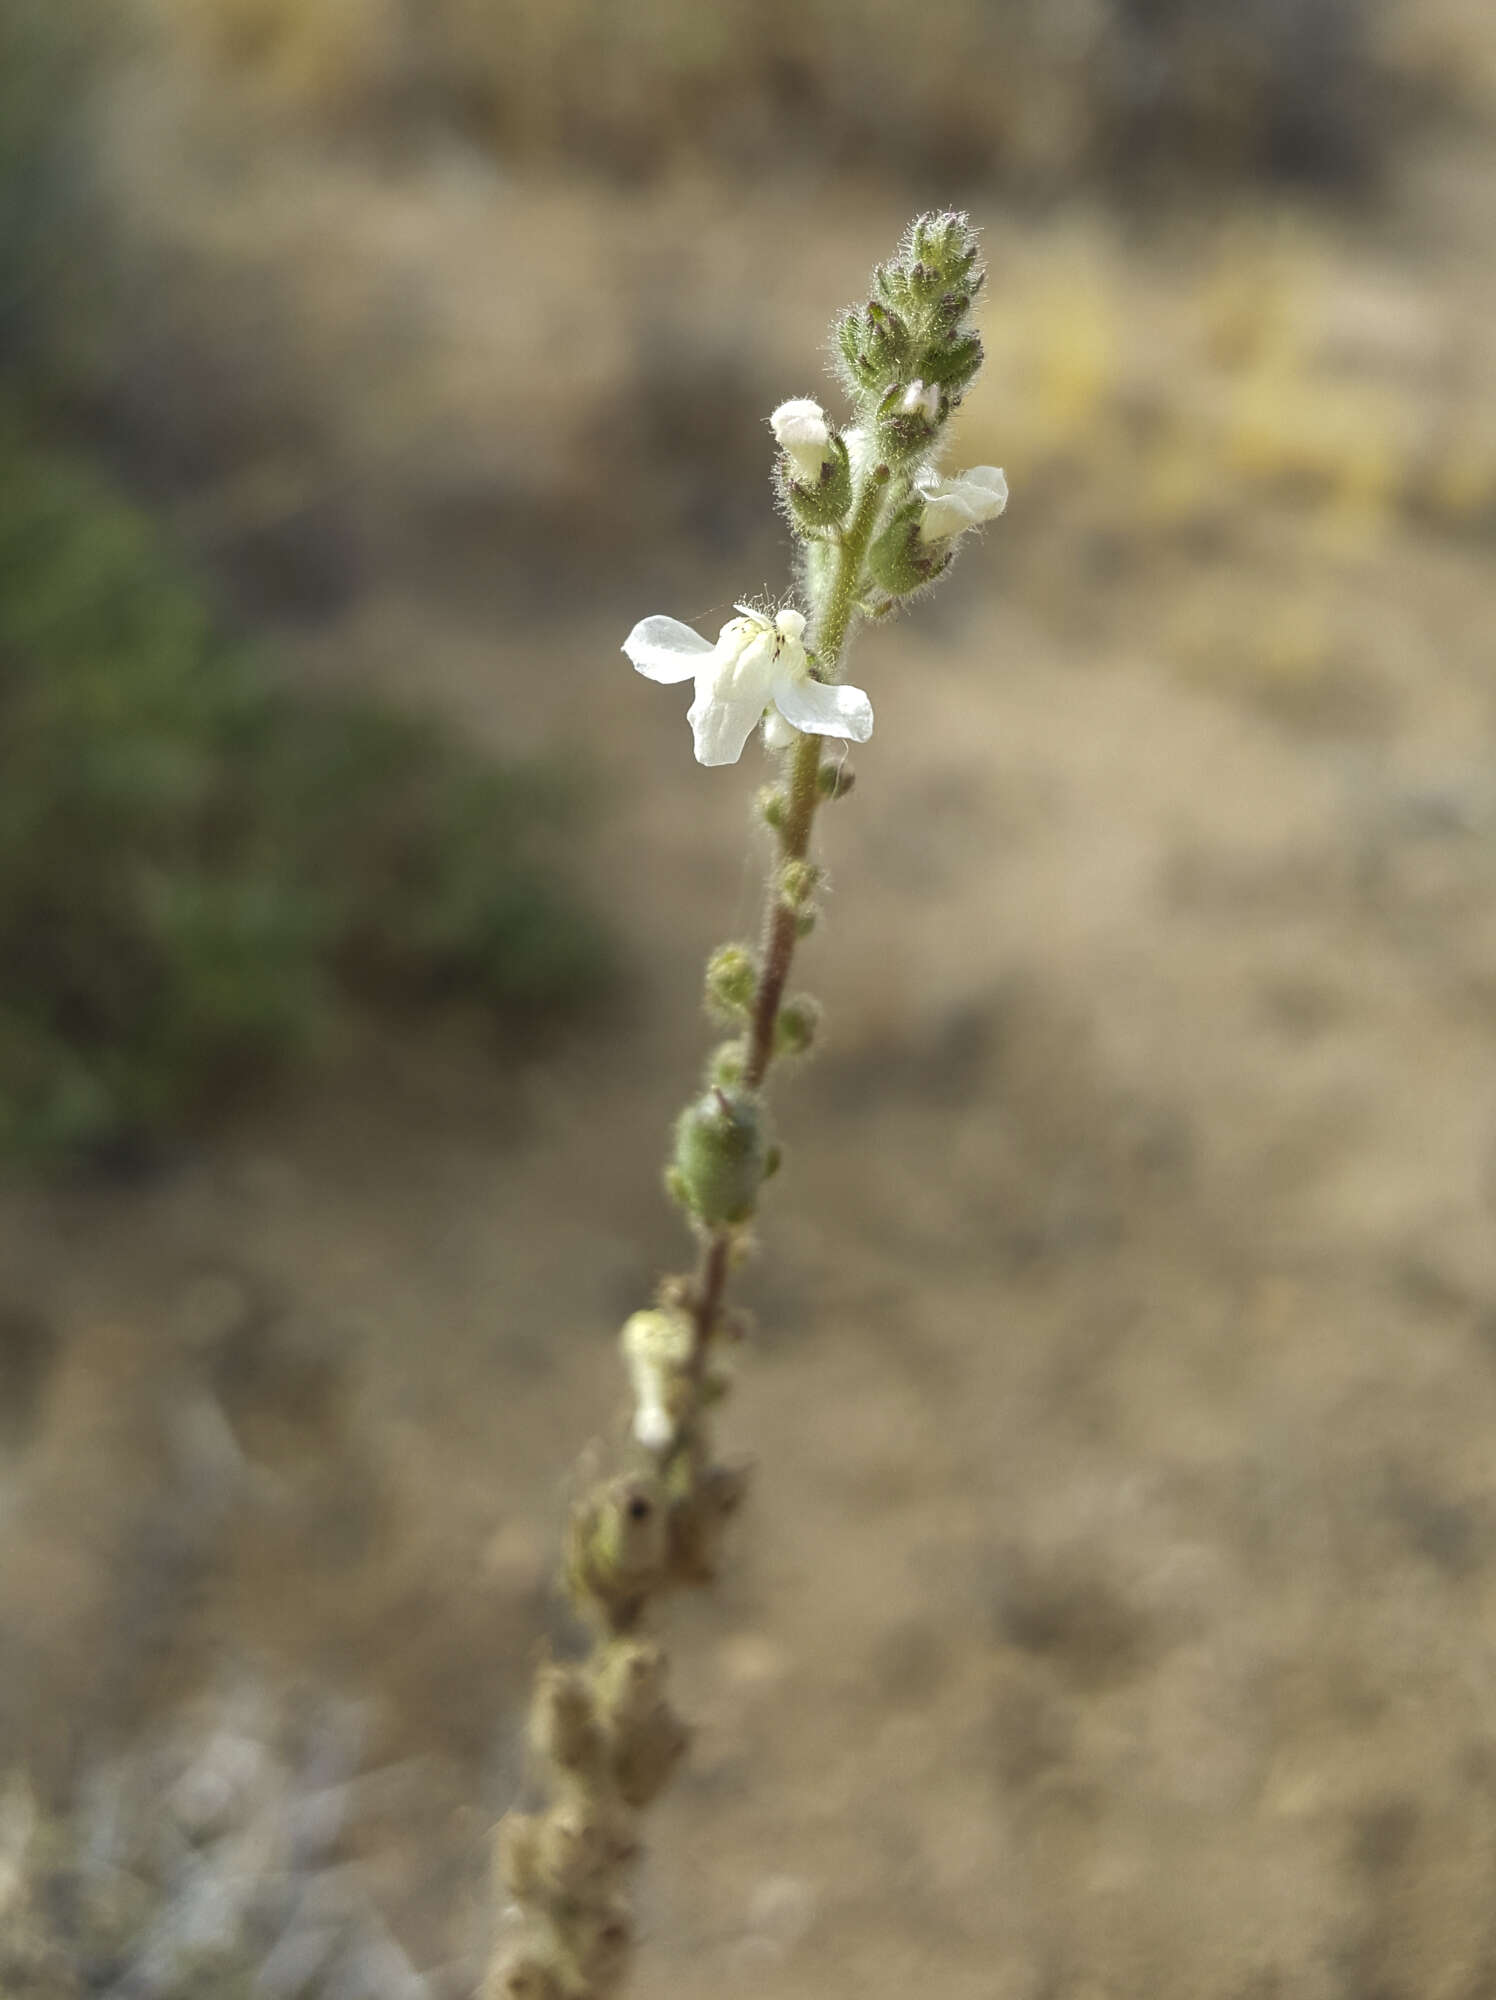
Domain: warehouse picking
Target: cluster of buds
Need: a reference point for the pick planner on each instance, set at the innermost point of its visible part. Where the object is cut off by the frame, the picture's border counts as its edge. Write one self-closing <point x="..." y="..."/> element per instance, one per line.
<point x="910" y="353"/>
<point x="609" y="1740"/>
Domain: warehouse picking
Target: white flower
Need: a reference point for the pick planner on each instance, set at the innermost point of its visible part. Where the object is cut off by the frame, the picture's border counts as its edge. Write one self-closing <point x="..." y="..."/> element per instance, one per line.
<point x="754" y="664"/>
<point x="803" y="434"/>
<point x="954" y="505"/>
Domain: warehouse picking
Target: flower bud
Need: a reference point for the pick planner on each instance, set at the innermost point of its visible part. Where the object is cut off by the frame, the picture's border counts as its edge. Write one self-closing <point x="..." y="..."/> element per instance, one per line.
<point x="575" y="1850"/>
<point x="658" y="1347"/>
<point x="826" y="500"/>
<point x="799" y="1019"/>
<point x="899" y="561"/>
<point x="719" y="1155"/>
<point x="699" y="1518"/>
<point x="909" y="415"/>
<point x="798" y="882"/>
<point x="646" y="1750"/>
<point x="943" y="240"/>
<point x="731" y="977"/>
<point x="528" y="1969"/>
<point x="563" y="1721"/>
<point x="616" y="1550"/>
<point x="834" y="781"/>
<point x="630" y="1681"/>
<point x="772" y="805"/>
<point x="804" y="436"/>
<point x="598" y="1944"/>
<point x="516" y="1857"/>
<point x="724" y="1071"/>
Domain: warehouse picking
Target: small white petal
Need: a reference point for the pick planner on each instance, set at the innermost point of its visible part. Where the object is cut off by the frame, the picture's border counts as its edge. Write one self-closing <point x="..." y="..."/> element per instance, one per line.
<point x="665" y="650"/>
<point x="721" y="726"/>
<point x="790" y="622"/>
<point x="821" y="710"/>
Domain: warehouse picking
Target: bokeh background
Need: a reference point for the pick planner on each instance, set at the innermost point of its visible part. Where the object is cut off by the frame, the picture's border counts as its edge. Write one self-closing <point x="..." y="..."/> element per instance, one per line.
<point x="1116" y="1614"/>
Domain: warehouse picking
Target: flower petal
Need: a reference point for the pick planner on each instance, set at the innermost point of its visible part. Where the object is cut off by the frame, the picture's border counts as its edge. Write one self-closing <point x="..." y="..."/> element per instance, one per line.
<point x="665" y="650"/>
<point x="821" y="710"/>
<point x="721" y="725"/>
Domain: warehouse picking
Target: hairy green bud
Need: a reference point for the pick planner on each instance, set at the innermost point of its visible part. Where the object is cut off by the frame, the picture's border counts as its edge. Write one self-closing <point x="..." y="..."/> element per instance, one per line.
<point x="598" y="1944"/>
<point x="899" y="562"/>
<point x="912" y="332"/>
<point x="646" y="1750"/>
<point x="798" y="1023"/>
<point x="826" y="502"/>
<point x="563" y="1721"/>
<point x="834" y="781"/>
<point x="731" y="978"/>
<point x="630" y="1681"/>
<point x="699" y="1519"/>
<point x="798" y="882"/>
<point x="615" y="1550"/>
<point x="725" y="1066"/>
<point x="772" y="805"/>
<point x="528" y="1970"/>
<point x="719" y="1156"/>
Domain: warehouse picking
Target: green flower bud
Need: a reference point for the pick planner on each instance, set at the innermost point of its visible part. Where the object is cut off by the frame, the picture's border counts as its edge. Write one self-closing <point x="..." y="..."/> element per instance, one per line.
<point x="731" y="978"/>
<point x="563" y="1722"/>
<point x="516" y="1855"/>
<point x="772" y="806"/>
<point x="615" y="1550"/>
<point x="659" y="1347"/>
<point x="529" y="1969"/>
<point x="630" y="1681"/>
<point x="834" y="781"/>
<point x="899" y="562"/>
<point x="646" y="1750"/>
<point x="943" y="240"/>
<point x="798" y="882"/>
<point x="952" y="364"/>
<point x="699" y="1519"/>
<point x="719" y="1154"/>
<point x="909" y="415"/>
<point x="574" y="1850"/>
<point x="724" y="1071"/>
<point x="799" y="1020"/>
<point x="828" y="501"/>
<point x="598" y="1944"/>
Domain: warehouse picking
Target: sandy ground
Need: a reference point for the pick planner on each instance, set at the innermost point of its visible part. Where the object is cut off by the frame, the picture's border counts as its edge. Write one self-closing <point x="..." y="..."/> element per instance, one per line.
<point x="1116" y="1612"/>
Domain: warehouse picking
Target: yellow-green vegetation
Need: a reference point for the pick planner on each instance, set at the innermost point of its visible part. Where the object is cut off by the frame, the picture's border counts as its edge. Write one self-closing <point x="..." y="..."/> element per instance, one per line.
<point x="198" y="868"/>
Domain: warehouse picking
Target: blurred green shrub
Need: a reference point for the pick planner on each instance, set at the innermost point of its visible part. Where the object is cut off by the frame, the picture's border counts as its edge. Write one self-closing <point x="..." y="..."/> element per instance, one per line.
<point x="197" y="868"/>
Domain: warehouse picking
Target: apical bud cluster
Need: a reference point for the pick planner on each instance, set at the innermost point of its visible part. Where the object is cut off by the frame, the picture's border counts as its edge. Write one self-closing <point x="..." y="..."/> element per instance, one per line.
<point x="909" y="353"/>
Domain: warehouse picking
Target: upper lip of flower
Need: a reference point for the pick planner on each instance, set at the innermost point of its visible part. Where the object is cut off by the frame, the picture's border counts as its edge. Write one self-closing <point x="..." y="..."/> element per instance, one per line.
<point x="755" y="661"/>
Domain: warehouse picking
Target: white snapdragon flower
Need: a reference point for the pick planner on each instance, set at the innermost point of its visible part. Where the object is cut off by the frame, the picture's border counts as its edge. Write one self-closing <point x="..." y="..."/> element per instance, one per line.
<point x="803" y="435"/>
<point x="956" y="504"/>
<point x="756" y="664"/>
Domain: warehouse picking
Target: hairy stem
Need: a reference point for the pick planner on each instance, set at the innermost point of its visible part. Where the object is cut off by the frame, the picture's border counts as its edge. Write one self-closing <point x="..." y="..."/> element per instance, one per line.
<point x="781" y="921"/>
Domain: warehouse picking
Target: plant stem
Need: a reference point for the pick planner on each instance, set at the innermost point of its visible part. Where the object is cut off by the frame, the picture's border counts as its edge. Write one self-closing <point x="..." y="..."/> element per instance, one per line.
<point x="781" y="920"/>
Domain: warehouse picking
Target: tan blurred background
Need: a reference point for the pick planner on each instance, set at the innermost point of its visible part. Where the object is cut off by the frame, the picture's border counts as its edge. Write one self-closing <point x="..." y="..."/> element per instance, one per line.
<point x="1116" y="1615"/>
